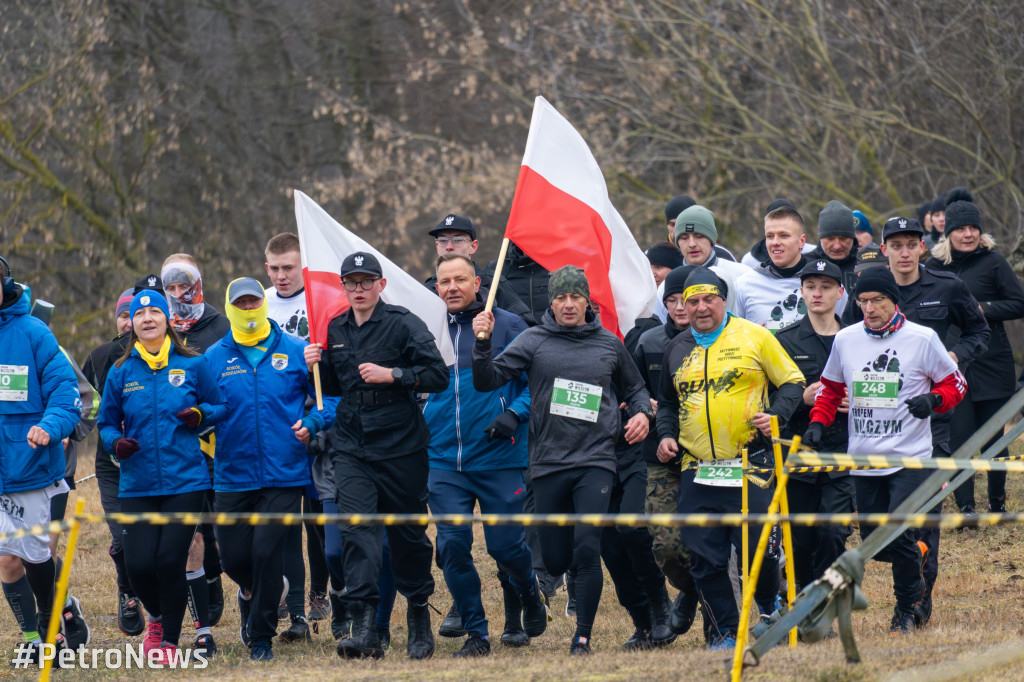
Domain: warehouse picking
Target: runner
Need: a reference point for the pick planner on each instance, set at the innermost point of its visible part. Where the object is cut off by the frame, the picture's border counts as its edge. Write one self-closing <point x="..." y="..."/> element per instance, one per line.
<point x="377" y="356"/>
<point x="896" y="373"/>
<point x="39" y="406"/>
<point x="477" y="455"/>
<point x="156" y="397"/>
<point x="261" y="463"/>
<point x="578" y="375"/>
<point x="712" y="403"/>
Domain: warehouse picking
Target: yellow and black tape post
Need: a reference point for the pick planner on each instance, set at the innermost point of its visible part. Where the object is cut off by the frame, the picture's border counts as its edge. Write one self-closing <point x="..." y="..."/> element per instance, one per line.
<point x="598" y="520"/>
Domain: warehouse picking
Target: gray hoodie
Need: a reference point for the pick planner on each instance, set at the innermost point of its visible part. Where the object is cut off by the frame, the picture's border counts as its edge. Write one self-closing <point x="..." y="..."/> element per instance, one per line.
<point x="587" y="354"/>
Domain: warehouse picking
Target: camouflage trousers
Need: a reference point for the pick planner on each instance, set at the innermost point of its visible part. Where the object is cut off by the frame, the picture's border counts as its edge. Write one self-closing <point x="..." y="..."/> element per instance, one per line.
<point x="663" y="498"/>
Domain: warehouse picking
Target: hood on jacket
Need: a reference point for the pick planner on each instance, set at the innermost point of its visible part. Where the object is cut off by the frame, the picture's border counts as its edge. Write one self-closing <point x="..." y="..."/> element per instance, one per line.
<point x="21" y="305"/>
<point x="843" y="263"/>
<point x="591" y="323"/>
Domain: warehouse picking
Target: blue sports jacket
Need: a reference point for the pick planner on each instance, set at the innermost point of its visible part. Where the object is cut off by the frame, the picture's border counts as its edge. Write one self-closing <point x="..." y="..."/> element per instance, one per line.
<point x="458" y="415"/>
<point x="146" y="402"/>
<point x="256" y="447"/>
<point x="31" y="358"/>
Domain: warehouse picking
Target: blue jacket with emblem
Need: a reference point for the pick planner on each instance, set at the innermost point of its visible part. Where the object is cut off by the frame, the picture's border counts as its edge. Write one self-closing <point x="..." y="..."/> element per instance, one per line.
<point x="458" y="415"/>
<point x="31" y="358"/>
<point x="147" y="401"/>
<point x="256" y="447"/>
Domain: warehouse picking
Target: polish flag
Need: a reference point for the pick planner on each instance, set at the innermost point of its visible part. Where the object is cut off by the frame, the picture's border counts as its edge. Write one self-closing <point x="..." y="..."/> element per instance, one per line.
<point x="323" y="245"/>
<point x="561" y="215"/>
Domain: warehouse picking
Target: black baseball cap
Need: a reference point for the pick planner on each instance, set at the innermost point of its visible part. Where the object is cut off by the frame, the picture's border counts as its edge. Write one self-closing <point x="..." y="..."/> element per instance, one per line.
<point x="901" y="225"/>
<point x="870" y="257"/>
<point x="361" y="262"/>
<point x="821" y="268"/>
<point x="454" y="222"/>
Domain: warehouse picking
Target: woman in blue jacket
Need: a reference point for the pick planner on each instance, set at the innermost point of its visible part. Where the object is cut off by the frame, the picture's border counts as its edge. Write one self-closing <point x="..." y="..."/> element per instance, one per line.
<point x="261" y="463"/>
<point x="156" y="396"/>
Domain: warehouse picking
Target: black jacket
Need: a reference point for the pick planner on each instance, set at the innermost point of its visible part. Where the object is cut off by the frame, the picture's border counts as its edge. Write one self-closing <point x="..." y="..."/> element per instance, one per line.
<point x="810" y="353"/>
<point x="505" y="298"/>
<point x="649" y="355"/>
<point x="95" y="369"/>
<point x="208" y="330"/>
<point x="997" y="289"/>
<point x="629" y="457"/>
<point x="392" y="337"/>
<point x="527" y="279"/>
<point x="846" y="266"/>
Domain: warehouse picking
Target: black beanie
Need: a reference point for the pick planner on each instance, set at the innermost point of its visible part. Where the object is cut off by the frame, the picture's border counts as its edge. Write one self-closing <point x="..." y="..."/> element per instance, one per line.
<point x="677" y="205"/>
<point x="878" y="280"/>
<point x="939" y="204"/>
<point x="778" y="203"/>
<point x="664" y="254"/>
<point x="960" y="210"/>
<point x="675" y="281"/>
<point x="702" y="277"/>
<point x="923" y="210"/>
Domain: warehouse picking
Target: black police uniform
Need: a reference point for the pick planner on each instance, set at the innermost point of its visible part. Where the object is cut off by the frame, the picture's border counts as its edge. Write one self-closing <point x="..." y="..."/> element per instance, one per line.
<point x="815" y="548"/>
<point x="378" y="444"/>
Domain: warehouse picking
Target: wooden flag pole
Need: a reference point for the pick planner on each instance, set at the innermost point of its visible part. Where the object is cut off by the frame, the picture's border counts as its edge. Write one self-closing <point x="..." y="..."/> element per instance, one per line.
<point x="316" y="385"/>
<point x="494" y="282"/>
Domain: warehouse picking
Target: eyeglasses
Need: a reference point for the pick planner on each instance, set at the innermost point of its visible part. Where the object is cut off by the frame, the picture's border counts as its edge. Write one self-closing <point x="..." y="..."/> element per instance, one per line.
<point x="364" y="284"/>
<point x="457" y="241"/>
<point x="861" y="302"/>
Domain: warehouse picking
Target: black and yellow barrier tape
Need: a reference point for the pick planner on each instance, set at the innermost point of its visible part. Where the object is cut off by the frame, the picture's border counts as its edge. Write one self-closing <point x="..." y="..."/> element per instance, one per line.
<point x="39" y="529"/>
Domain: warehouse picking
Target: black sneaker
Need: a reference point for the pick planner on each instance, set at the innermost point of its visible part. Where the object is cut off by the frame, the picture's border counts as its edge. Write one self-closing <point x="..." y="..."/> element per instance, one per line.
<point x="129" y="615"/>
<point x="640" y="641"/>
<point x="451" y="626"/>
<point x="205" y="646"/>
<point x="244" y="609"/>
<point x="580" y="646"/>
<point x="298" y="630"/>
<point x="902" y="623"/>
<point x="216" y="590"/>
<point x="535" y="613"/>
<point x="76" y="630"/>
<point x="319" y="606"/>
<point x="261" y="650"/>
<point x="570" y="591"/>
<point x="473" y="648"/>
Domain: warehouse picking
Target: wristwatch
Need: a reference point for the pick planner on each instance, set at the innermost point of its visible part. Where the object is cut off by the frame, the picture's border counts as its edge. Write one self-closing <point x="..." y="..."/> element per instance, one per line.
<point x="397" y="374"/>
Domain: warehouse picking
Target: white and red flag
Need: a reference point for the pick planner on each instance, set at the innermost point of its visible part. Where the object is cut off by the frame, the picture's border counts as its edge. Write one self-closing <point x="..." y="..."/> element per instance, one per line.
<point x="324" y="243"/>
<point x="561" y="215"/>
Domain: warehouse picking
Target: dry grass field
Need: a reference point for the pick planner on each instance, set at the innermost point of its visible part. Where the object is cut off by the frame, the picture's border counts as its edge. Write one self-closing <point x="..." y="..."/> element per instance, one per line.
<point x="978" y="621"/>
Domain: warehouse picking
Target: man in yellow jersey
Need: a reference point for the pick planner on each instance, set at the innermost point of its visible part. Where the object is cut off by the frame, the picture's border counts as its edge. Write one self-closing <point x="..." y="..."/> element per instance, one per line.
<point x="712" y="403"/>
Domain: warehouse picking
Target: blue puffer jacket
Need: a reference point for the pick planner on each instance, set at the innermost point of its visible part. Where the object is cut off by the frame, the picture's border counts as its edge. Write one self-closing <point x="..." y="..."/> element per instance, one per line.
<point x="458" y="416"/>
<point x="256" y="447"/>
<point x="29" y="355"/>
<point x="147" y="402"/>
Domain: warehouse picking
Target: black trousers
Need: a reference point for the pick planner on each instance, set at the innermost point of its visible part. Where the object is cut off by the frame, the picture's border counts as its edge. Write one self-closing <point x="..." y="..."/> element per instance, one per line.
<point x="155" y="556"/>
<point x="710" y="549"/>
<point x="253" y="556"/>
<point x="399" y="486"/>
<point x="628" y="551"/>
<point x="880" y="495"/>
<point x="584" y="490"/>
<point x="968" y="417"/>
<point x="815" y="548"/>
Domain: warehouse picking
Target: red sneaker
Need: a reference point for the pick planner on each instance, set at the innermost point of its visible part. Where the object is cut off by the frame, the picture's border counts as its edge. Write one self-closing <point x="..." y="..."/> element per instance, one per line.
<point x="154" y="636"/>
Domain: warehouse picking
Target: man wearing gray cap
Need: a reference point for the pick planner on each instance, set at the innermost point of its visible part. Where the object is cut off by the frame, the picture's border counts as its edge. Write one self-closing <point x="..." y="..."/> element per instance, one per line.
<point x="837" y="240"/>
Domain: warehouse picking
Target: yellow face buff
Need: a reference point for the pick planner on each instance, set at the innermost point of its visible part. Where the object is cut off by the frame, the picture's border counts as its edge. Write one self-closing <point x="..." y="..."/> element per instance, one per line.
<point x="158" y="361"/>
<point x="249" y="327"/>
<point x="701" y="289"/>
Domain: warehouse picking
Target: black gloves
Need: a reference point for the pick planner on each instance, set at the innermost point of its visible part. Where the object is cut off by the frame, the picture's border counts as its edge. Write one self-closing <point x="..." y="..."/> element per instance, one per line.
<point x="503" y="426"/>
<point x="191" y="416"/>
<point x="125" y="447"/>
<point x="922" y="405"/>
<point x="813" y="435"/>
<point x="318" y="445"/>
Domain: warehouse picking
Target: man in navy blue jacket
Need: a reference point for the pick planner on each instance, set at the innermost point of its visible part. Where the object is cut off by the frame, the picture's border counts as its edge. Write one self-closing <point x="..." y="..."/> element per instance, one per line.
<point x="261" y="463"/>
<point x="478" y="453"/>
<point x="39" y="406"/>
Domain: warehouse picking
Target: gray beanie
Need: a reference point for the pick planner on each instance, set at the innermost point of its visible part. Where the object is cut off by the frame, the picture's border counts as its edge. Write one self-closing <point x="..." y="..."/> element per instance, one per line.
<point x="836" y="220"/>
<point x="697" y="220"/>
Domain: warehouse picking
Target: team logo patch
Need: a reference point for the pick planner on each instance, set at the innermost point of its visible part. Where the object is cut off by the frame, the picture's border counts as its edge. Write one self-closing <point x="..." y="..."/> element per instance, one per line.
<point x="821" y="265"/>
<point x="449" y="220"/>
<point x="689" y="227"/>
<point x="359" y="261"/>
<point x="151" y="281"/>
<point x="279" y="361"/>
<point x="144" y="300"/>
<point x="902" y="222"/>
<point x="176" y="377"/>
